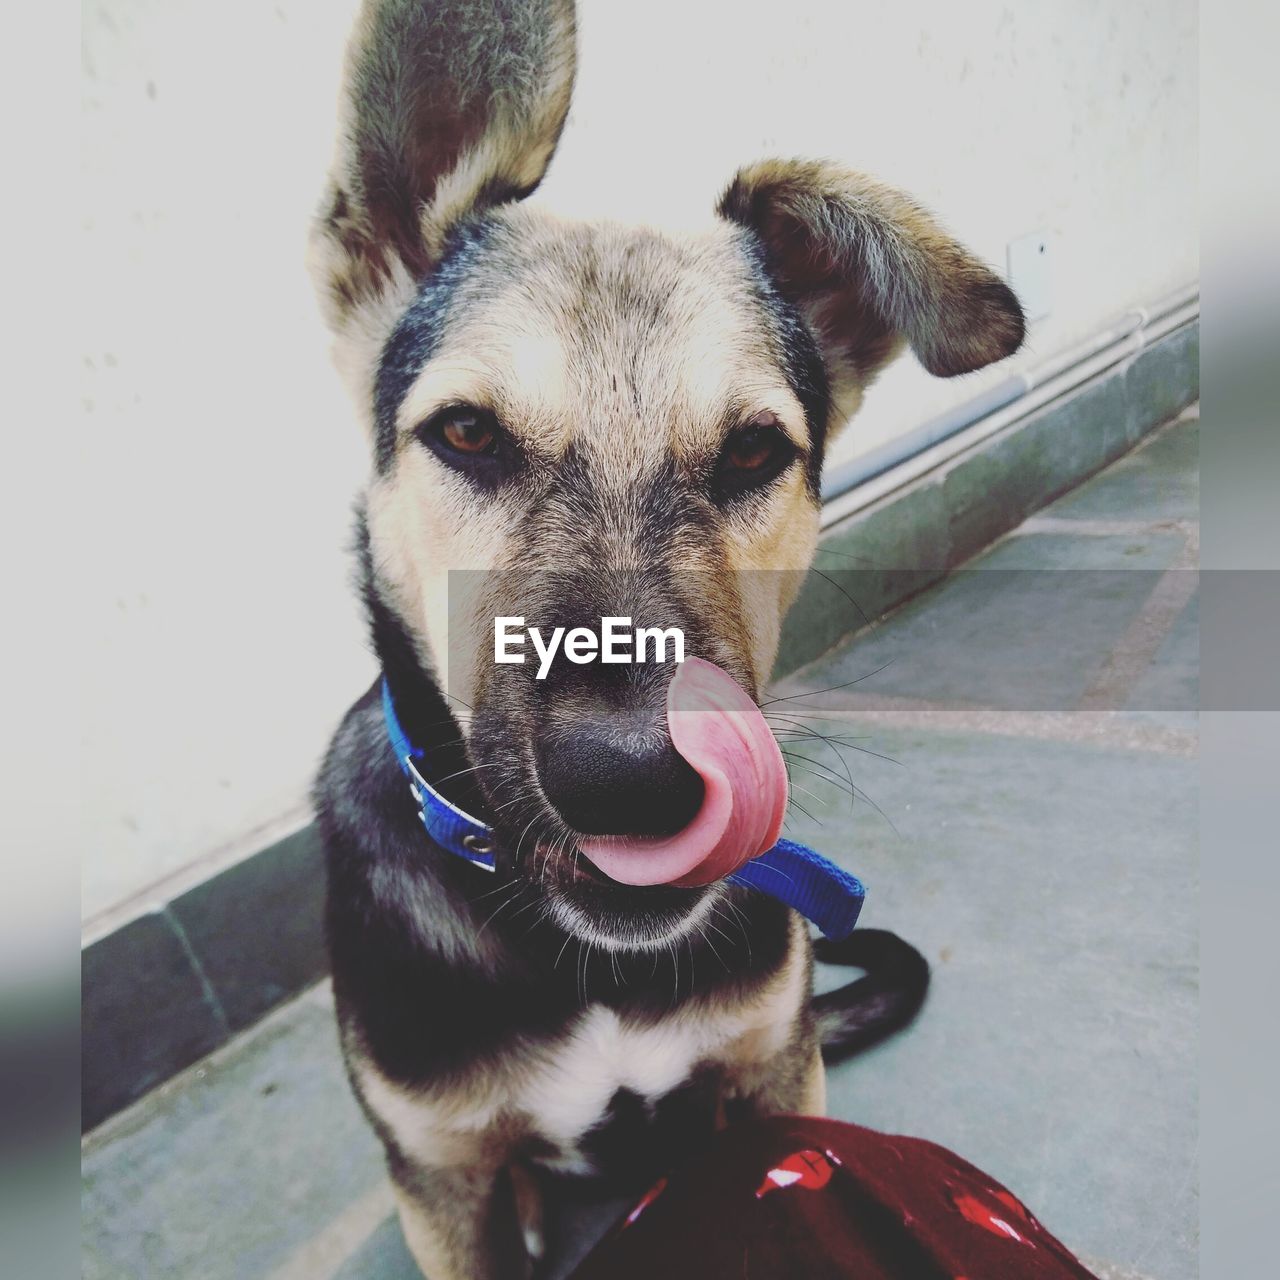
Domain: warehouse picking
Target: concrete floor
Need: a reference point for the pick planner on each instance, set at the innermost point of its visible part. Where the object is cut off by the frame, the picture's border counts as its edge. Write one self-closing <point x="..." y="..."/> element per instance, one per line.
<point x="1035" y="835"/>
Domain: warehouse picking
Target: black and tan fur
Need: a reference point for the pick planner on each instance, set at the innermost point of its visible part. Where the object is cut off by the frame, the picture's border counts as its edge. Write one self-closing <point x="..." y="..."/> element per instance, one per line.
<point x="546" y="1017"/>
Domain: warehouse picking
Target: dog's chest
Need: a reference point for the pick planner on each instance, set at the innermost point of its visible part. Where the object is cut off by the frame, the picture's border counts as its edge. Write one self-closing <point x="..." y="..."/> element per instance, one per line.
<point x="610" y="1086"/>
<point x="605" y="1087"/>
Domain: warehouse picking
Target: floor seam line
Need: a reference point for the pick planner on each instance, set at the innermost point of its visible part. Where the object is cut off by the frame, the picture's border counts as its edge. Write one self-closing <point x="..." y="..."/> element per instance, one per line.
<point x="206" y="985"/>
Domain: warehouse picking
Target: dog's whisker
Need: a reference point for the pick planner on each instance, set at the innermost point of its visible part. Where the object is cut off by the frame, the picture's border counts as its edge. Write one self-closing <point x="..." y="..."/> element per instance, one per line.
<point x="716" y="928"/>
<point x="525" y="793"/>
<point x="586" y="961"/>
<point x="702" y="935"/>
<point x="489" y="893"/>
<point x="835" y="744"/>
<point x="848" y="773"/>
<point x="543" y="915"/>
<point x="515" y="857"/>
<point x="797" y="736"/>
<point x="858" y="609"/>
<point x="741" y="923"/>
<point x="813" y="693"/>
<point x="802" y="763"/>
<point x="805" y="811"/>
<point x="855" y="792"/>
<point x="474" y="768"/>
<point x="813" y="795"/>
<point x="819" y="770"/>
<point x="444" y="693"/>
<point x="826" y="551"/>
<point x="527" y="907"/>
<point x="832" y="740"/>
<point x="553" y="852"/>
<point x="746" y="940"/>
<point x="776" y="870"/>
<point x="502" y="906"/>
<point x="854" y="789"/>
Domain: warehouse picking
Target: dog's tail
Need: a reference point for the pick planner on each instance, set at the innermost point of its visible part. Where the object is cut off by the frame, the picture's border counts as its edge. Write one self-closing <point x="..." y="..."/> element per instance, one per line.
<point x="865" y="1011"/>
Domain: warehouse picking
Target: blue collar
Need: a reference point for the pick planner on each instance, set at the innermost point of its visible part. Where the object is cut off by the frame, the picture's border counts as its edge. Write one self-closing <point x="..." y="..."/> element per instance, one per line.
<point x="792" y="873"/>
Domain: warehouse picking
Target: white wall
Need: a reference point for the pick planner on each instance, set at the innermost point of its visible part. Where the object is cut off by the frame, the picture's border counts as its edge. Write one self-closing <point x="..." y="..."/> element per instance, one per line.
<point x="223" y="640"/>
<point x="1072" y="116"/>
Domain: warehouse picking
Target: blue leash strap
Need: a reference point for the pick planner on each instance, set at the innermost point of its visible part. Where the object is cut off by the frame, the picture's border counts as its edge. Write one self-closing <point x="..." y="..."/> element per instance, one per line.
<point x="792" y="873"/>
<point x="813" y="885"/>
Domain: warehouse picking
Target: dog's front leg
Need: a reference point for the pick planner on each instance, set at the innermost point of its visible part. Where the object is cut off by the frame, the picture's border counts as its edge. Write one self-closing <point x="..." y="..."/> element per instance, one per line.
<point x="813" y="1095"/>
<point x="794" y="1082"/>
<point x="461" y="1223"/>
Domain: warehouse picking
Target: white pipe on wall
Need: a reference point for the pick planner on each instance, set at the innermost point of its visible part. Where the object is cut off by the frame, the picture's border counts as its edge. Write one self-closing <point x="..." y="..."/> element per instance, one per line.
<point x="860" y="481"/>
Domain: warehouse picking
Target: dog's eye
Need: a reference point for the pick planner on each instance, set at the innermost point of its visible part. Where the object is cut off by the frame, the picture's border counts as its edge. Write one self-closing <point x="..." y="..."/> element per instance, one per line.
<point x="472" y="441"/>
<point x="751" y="450"/>
<point x="752" y="456"/>
<point x="467" y="431"/>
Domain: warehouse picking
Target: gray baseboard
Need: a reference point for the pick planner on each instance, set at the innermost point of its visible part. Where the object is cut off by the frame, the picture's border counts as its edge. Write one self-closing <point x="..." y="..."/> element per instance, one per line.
<point x="171" y="985"/>
<point x="884" y="554"/>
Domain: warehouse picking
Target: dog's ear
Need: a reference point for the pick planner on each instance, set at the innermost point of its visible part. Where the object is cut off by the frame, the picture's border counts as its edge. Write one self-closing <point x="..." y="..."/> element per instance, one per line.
<point x="869" y="269"/>
<point x="448" y="106"/>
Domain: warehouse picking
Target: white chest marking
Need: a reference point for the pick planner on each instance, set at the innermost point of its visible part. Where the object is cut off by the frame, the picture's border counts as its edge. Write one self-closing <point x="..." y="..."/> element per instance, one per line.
<point x="561" y="1089"/>
<point x="570" y="1091"/>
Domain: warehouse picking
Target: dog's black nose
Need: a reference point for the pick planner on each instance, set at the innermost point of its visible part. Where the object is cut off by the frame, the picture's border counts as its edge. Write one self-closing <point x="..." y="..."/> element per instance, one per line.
<point x="613" y="780"/>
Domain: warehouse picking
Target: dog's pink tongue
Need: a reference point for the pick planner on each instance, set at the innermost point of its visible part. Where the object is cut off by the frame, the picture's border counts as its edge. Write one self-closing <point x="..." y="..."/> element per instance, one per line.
<point x="719" y="730"/>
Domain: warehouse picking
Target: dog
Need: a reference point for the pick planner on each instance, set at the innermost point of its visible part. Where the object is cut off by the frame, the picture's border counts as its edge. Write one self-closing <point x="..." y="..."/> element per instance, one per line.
<point x="571" y="420"/>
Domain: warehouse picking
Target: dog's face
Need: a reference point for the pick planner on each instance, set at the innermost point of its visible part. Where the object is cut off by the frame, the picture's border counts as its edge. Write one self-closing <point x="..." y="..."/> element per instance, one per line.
<point x="572" y="422"/>
<point x="565" y="402"/>
<point x="575" y="422"/>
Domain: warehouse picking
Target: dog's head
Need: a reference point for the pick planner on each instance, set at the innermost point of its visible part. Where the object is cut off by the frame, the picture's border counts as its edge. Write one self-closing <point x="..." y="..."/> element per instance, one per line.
<point x="574" y="421"/>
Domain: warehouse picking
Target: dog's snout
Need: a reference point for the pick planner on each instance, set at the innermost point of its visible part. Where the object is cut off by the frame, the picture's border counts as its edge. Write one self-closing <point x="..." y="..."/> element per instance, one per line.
<point x="606" y="778"/>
